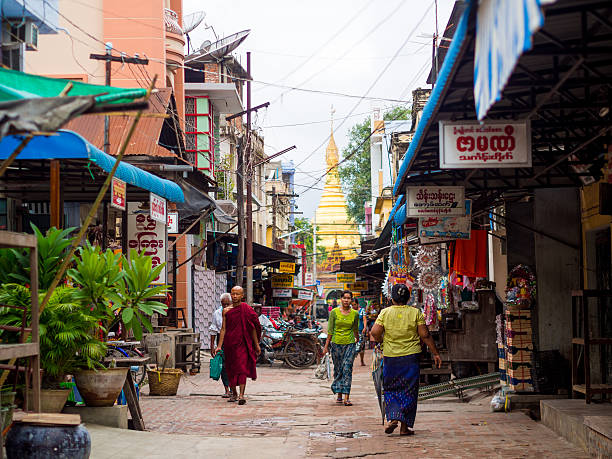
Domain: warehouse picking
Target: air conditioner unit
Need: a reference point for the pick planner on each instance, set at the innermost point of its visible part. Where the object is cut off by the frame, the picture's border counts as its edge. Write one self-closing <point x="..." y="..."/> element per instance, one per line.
<point x="19" y="31"/>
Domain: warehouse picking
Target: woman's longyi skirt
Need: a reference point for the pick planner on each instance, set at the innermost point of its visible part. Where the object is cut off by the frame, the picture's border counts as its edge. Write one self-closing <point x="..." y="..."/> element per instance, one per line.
<point x="401" y="387"/>
<point x="343" y="356"/>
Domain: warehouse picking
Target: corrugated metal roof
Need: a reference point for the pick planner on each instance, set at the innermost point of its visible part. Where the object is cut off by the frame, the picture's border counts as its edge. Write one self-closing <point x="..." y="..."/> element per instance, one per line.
<point x="143" y="141"/>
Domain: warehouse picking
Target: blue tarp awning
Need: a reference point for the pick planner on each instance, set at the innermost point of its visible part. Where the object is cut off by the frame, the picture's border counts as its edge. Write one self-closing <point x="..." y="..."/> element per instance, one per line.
<point x="69" y="145"/>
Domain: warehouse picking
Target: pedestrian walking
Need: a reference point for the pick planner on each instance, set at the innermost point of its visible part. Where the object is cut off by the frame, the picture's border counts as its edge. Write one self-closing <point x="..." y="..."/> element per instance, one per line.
<point x="403" y="328"/>
<point x="343" y="333"/>
<point x="215" y="330"/>
<point x="239" y="338"/>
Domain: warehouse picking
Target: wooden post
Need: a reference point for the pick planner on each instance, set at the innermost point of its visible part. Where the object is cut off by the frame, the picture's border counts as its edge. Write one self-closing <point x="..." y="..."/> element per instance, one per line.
<point x="34" y="360"/>
<point x="55" y="198"/>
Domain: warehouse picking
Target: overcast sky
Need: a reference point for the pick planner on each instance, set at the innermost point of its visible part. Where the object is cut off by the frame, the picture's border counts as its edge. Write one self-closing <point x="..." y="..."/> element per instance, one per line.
<point x="339" y="46"/>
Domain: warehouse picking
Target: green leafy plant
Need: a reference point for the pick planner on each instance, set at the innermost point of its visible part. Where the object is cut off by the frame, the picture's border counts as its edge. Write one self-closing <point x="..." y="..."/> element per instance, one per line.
<point x="52" y="248"/>
<point x="68" y="331"/>
<point x="134" y="295"/>
<point x="97" y="273"/>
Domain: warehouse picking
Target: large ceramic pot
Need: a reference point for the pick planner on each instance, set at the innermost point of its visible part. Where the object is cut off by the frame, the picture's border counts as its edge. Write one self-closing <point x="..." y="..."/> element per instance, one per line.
<point x="25" y="441"/>
<point x="100" y="387"/>
<point x="51" y="400"/>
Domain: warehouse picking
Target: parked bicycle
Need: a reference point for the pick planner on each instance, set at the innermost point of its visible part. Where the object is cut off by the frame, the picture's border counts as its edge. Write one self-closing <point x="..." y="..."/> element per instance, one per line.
<point x="129" y="349"/>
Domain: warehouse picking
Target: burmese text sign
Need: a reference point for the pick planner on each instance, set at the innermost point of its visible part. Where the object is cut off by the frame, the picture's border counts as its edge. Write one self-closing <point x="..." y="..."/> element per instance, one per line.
<point x="282" y="281"/>
<point x="118" y="193"/>
<point x="157" y="208"/>
<point x="345" y="278"/>
<point x="358" y="286"/>
<point x="494" y="144"/>
<point x="173" y="222"/>
<point x="424" y="201"/>
<point x="447" y="227"/>
<point x="305" y="295"/>
<point x="285" y="267"/>
<point x="281" y="292"/>
<point x="148" y="237"/>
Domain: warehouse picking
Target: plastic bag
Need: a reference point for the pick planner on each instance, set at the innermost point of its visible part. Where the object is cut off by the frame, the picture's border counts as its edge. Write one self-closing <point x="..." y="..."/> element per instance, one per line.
<point x="498" y="402"/>
<point x="216" y="366"/>
<point x="322" y="370"/>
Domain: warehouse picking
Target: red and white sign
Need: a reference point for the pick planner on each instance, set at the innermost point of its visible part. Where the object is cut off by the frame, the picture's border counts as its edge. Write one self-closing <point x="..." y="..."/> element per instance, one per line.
<point x="305" y="295"/>
<point x="493" y="144"/>
<point x="147" y="236"/>
<point x="309" y="279"/>
<point x="118" y="193"/>
<point x="281" y="293"/>
<point x="173" y="223"/>
<point x="157" y="208"/>
<point x="425" y="201"/>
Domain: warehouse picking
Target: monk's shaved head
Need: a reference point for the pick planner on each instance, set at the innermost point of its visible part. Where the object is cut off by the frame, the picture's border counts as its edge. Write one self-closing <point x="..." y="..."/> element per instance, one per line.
<point x="237" y="295"/>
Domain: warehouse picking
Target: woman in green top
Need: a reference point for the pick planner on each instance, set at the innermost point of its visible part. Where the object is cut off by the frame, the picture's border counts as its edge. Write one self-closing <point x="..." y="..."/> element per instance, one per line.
<point x="404" y="328"/>
<point x="343" y="332"/>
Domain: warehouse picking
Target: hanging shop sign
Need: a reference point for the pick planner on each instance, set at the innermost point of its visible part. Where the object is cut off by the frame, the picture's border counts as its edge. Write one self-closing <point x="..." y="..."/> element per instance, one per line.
<point x="494" y="144"/>
<point x="149" y="237"/>
<point x="358" y="286"/>
<point x="281" y="292"/>
<point x="305" y="295"/>
<point x="157" y="208"/>
<point x="504" y="30"/>
<point x="345" y="278"/>
<point x="425" y="201"/>
<point x="285" y="267"/>
<point x="309" y="279"/>
<point x="282" y="281"/>
<point x="173" y="223"/>
<point x="448" y="228"/>
<point x="118" y="193"/>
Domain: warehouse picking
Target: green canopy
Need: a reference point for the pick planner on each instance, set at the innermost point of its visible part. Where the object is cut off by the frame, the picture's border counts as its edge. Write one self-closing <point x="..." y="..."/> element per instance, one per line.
<point x="19" y="85"/>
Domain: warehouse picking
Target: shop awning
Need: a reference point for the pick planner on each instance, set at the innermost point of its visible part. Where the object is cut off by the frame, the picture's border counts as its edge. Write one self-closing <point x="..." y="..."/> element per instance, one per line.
<point x="560" y="86"/>
<point x="20" y="85"/>
<point x="69" y="145"/>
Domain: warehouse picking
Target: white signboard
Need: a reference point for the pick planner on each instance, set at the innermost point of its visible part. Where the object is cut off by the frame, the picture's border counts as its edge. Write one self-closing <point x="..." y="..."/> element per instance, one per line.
<point x="425" y="201"/>
<point x="149" y="237"/>
<point x="309" y="279"/>
<point x="281" y="292"/>
<point x="173" y="222"/>
<point x="494" y="144"/>
<point x="157" y="208"/>
<point x="447" y="227"/>
<point x="305" y="295"/>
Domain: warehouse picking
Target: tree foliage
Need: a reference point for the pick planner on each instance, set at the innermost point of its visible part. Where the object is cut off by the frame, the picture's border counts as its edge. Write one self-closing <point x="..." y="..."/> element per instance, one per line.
<point x="355" y="171"/>
<point x="305" y="237"/>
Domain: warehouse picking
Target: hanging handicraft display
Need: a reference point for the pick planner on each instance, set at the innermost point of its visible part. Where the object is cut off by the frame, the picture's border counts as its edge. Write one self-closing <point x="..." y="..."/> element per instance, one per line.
<point x="427" y="258"/>
<point x="429" y="279"/>
<point x="521" y="286"/>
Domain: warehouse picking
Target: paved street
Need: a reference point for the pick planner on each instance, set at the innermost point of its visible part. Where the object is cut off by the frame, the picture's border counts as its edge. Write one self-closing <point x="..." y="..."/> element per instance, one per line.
<point x="291" y="413"/>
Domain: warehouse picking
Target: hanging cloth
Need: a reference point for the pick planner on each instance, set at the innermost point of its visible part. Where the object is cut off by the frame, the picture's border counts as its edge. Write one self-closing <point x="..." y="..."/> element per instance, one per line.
<point x="470" y="256"/>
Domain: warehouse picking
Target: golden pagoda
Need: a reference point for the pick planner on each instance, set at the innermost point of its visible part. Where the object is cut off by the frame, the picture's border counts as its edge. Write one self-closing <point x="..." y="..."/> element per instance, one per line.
<point x="335" y="232"/>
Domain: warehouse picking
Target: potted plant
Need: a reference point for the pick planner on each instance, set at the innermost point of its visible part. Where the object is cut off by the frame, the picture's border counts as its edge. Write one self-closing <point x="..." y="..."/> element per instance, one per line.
<point x="115" y="289"/>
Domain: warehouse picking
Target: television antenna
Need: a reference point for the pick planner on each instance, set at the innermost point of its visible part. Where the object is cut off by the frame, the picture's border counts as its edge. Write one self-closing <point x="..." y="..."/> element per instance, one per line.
<point x="190" y="22"/>
<point x="220" y="48"/>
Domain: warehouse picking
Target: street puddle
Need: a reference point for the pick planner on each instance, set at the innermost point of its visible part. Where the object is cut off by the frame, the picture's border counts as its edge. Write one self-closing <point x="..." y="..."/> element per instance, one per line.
<point x="355" y="434"/>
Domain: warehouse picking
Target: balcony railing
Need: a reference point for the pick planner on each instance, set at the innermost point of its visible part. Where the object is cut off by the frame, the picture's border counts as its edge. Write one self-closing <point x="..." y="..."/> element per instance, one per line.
<point x="171" y="22"/>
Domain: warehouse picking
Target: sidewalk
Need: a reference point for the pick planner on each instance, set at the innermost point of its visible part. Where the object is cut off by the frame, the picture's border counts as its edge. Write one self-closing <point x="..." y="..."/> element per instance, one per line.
<point x="291" y="414"/>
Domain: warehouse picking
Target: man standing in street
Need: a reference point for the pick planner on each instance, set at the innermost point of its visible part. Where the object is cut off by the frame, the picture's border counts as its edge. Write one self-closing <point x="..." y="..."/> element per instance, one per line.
<point x="239" y="339"/>
<point x="215" y="330"/>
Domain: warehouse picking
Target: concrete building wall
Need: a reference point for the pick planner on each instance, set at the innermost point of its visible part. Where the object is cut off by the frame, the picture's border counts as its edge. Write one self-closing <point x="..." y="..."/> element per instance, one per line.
<point x="557" y="213"/>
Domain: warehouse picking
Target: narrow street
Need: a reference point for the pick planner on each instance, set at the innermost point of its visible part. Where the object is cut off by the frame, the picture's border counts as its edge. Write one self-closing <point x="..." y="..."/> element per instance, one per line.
<point x="290" y="413"/>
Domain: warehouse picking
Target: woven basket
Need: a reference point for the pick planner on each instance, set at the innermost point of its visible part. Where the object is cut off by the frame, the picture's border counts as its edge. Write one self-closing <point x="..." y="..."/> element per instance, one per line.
<point x="164" y="382"/>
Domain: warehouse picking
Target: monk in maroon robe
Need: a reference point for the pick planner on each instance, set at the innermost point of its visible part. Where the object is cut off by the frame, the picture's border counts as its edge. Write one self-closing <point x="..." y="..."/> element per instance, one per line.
<point x="239" y="338"/>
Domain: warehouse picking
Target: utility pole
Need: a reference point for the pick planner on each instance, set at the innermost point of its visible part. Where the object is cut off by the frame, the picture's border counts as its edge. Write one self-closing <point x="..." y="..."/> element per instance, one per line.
<point x="109" y="59"/>
<point x="249" y="198"/>
<point x="314" y="249"/>
<point x="240" y="205"/>
<point x="274" y="217"/>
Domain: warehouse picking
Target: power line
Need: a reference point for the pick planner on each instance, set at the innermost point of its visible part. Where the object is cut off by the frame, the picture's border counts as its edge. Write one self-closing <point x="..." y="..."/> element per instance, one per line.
<point x="384" y="70"/>
<point x="338" y="32"/>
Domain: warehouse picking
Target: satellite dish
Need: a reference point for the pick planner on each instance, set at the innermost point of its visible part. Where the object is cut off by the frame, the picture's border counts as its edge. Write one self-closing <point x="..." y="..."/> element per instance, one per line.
<point x="220" y="48"/>
<point x="204" y="47"/>
<point x="191" y="21"/>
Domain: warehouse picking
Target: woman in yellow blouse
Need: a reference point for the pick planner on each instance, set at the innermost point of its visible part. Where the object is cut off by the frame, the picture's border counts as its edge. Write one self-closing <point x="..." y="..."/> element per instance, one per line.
<point x="401" y="328"/>
<point x="343" y="333"/>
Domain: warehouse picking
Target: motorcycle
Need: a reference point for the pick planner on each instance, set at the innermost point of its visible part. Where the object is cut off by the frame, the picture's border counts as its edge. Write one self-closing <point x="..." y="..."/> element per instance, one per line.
<point x="297" y="348"/>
